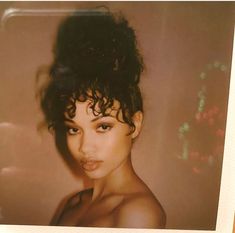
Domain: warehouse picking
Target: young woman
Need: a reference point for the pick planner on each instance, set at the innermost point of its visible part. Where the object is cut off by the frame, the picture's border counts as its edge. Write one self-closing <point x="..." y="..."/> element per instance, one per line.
<point x="94" y="103"/>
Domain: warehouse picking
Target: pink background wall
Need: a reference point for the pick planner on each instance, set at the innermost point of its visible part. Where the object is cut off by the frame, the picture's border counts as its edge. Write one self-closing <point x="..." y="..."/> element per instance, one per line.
<point x="178" y="42"/>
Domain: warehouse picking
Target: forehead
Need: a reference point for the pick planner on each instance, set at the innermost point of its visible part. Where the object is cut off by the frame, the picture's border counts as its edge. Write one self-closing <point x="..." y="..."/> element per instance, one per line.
<point x="91" y="109"/>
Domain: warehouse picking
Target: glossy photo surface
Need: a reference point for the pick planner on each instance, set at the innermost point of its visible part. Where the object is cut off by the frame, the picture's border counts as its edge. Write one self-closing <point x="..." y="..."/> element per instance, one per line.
<point x="187" y="53"/>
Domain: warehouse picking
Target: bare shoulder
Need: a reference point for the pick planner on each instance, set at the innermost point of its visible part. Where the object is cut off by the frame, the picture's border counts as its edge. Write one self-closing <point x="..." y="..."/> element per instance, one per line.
<point x="140" y="211"/>
<point x="69" y="201"/>
<point x="76" y="198"/>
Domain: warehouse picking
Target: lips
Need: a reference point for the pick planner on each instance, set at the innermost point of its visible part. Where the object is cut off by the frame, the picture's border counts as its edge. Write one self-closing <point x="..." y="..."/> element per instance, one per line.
<point x="90" y="165"/>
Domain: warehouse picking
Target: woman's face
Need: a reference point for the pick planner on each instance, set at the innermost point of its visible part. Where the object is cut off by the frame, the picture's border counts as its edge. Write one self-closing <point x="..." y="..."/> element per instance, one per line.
<point x="100" y="144"/>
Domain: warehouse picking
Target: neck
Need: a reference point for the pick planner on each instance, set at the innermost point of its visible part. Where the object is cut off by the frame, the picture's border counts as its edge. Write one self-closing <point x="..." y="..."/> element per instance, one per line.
<point x="115" y="181"/>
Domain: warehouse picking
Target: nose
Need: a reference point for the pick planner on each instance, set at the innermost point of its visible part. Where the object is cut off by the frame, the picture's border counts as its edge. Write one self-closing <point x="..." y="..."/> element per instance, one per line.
<point x="86" y="145"/>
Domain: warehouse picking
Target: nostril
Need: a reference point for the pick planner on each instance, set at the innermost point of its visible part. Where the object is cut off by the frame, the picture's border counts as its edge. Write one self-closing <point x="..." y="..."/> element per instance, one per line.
<point x="86" y="145"/>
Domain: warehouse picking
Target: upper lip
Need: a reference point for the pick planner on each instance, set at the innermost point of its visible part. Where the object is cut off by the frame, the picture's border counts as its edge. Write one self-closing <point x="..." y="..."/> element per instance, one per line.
<point x="89" y="161"/>
<point x="90" y="164"/>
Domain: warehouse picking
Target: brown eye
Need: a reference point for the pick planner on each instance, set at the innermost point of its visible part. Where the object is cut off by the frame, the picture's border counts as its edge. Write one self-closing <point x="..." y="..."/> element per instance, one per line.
<point x="72" y="131"/>
<point x="104" y="128"/>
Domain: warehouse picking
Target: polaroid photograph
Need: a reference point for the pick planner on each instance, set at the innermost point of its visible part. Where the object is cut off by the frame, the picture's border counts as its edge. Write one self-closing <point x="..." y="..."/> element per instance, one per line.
<point x="117" y="116"/>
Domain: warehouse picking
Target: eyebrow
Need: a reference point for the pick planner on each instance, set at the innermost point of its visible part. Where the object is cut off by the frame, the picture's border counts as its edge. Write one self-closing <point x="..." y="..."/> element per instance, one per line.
<point x="93" y="120"/>
<point x="69" y="120"/>
<point x="101" y="116"/>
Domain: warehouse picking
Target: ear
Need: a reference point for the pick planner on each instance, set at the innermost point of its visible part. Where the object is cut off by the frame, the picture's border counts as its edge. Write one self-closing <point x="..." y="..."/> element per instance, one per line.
<point x="137" y="120"/>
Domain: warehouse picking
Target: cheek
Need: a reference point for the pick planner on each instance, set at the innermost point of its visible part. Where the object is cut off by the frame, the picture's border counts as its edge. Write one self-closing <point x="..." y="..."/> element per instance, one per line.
<point x="72" y="143"/>
<point x="117" y="145"/>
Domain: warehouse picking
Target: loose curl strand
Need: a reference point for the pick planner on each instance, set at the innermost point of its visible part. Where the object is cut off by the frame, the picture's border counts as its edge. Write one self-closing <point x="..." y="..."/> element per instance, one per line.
<point x="95" y="58"/>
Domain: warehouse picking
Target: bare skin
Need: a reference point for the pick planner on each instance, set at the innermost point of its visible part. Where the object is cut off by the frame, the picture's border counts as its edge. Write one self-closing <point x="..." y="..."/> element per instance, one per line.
<point x="132" y="206"/>
<point x="119" y="198"/>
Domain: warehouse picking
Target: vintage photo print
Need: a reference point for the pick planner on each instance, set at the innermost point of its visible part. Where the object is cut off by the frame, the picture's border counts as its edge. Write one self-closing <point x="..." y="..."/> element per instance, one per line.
<point x="117" y="116"/>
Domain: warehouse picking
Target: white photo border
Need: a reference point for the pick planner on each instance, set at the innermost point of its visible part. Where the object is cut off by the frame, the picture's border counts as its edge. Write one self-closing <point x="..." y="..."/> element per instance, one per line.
<point x="226" y="208"/>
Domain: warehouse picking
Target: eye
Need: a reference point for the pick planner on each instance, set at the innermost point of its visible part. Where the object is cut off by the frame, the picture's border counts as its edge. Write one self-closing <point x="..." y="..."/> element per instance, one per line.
<point x="72" y="131"/>
<point x="104" y="127"/>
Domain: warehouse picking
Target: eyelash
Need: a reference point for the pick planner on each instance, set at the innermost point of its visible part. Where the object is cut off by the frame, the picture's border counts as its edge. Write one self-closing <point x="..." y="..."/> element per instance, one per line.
<point x="104" y="127"/>
<point x="72" y="131"/>
<point x="101" y="128"/>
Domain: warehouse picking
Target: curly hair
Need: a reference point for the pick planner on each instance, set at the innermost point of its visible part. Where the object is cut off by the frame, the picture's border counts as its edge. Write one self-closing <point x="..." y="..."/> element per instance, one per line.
<point x="96" y="58"/>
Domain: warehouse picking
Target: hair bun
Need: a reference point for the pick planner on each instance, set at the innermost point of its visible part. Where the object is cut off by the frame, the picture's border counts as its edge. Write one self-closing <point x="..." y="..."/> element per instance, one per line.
<point x="99" y="46"/>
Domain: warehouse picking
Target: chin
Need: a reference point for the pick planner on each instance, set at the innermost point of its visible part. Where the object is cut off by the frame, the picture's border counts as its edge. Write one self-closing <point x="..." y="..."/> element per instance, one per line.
<point x="95" y="175"/>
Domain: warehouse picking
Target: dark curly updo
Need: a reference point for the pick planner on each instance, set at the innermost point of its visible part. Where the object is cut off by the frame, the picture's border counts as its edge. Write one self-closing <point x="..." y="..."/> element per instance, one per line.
<point x="96" y="58"/>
